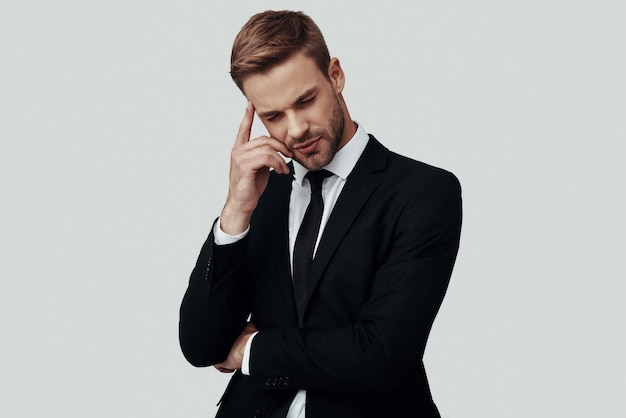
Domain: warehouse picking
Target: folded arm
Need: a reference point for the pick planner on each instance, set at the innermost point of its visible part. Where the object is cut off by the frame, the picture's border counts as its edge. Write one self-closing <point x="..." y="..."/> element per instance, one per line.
<point x="215" y="308"/>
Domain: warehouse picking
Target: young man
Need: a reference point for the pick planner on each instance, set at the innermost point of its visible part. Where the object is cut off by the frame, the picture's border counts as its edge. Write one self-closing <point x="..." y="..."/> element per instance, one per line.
<point x="339" y="260"/>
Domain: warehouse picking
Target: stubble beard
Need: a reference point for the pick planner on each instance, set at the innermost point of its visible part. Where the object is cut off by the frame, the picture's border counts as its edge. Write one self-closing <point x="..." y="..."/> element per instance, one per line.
<point x="331" y="136"/>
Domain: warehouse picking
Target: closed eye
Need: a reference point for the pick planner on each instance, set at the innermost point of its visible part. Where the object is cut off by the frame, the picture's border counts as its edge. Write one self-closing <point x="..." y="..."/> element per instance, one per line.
<point x="273" y="118"/>
<point x="307" y="101"/>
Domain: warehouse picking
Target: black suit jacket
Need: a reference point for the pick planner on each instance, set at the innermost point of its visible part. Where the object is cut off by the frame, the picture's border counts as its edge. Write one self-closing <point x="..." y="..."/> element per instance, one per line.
<point x="380" y="273"/>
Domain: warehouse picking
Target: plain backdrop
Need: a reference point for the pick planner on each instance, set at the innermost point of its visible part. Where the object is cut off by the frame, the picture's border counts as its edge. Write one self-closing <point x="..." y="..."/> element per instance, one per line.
<point x="116" y="123"/>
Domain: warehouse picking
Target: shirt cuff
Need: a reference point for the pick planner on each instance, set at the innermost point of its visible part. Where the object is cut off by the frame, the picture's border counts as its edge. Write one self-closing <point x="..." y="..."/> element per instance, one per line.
<point x="245" y="363"/>
<point x="222" y="238"/>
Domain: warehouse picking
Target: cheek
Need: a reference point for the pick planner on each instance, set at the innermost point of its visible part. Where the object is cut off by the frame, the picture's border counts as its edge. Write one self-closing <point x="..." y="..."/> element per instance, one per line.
<point x="280" y="134"/>
<point x="323" y="114"/>
<point x="275" y="131"/>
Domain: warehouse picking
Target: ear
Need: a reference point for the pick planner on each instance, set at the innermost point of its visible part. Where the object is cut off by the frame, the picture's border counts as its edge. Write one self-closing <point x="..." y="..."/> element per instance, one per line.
<point x="336" y="75"/>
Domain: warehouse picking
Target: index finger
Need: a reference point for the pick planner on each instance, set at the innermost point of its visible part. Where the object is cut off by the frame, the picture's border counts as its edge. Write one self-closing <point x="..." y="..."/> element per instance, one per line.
<point x="245" y="128"/>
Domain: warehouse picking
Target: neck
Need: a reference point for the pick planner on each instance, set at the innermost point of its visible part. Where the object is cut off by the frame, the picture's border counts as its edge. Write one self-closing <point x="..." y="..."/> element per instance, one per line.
<point x="349" y="126"/>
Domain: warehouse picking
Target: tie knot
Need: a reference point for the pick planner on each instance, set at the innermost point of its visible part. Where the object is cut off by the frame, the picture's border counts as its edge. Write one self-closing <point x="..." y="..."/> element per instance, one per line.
<point x="316" y="178"/>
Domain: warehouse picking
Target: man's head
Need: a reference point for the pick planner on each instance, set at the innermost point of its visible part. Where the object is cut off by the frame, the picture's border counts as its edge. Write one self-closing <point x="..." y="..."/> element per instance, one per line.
<point x="281" y="63"/>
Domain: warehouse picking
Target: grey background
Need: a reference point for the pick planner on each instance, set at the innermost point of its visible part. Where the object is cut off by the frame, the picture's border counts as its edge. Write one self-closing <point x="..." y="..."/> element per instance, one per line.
<point x="116" y="123"/>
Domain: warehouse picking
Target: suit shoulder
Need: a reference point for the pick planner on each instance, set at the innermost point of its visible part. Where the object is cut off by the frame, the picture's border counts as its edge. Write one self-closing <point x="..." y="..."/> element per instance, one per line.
<point x="395" y="168"/>
<point x="420" y="173"/>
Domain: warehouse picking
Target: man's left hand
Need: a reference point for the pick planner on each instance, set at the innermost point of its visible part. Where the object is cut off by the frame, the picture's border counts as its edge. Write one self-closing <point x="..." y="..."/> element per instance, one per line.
<point x="235" y="357"/>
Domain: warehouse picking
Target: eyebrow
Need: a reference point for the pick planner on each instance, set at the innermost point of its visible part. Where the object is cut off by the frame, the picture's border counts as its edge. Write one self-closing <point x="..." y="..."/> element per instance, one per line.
<point x="298" y="100"/>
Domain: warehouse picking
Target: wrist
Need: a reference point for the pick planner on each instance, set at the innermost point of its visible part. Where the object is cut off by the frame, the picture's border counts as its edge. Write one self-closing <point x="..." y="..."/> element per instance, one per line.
<point x="245" y="362"/>
<point x="234" y="221"/>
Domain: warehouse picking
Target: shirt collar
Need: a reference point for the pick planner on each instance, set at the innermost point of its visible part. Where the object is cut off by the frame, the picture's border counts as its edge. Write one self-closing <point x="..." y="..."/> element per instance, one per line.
<point x="344" y="160"/>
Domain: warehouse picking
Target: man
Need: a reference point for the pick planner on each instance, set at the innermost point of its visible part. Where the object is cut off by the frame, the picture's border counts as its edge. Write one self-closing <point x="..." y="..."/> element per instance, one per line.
<point x="320" y="281"/>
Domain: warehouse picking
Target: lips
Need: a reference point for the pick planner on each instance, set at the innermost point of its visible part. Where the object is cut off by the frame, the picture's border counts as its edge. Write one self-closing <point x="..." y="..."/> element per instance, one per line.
<point x="308" y="147"/>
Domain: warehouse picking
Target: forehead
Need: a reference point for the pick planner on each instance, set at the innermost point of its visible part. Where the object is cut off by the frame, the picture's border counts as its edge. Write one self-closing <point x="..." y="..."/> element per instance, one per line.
<point x="282" y="85"/>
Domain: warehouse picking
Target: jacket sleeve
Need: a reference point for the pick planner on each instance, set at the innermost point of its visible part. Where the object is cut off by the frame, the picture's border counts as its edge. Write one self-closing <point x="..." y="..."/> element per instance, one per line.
<point x="380" y="348"/>
<point x="214" y="309"/>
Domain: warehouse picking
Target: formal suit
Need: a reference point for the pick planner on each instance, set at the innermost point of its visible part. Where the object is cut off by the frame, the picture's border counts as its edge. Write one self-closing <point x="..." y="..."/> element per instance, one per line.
<point x="379" y="275"/>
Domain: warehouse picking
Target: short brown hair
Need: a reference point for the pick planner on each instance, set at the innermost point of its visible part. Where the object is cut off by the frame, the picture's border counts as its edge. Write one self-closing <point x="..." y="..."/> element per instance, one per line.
<point x="270" y="38"/>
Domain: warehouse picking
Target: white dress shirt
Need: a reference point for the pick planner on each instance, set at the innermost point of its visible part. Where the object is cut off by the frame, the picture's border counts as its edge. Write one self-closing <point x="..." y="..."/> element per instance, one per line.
<point x="341" y="166"/>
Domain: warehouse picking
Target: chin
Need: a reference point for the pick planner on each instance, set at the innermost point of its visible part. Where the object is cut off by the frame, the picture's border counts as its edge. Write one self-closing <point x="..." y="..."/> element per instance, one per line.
<point x="316" y="161"/>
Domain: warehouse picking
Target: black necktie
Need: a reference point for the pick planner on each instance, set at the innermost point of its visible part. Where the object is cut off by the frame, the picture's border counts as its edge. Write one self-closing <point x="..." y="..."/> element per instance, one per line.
<point x="305" y="240"/>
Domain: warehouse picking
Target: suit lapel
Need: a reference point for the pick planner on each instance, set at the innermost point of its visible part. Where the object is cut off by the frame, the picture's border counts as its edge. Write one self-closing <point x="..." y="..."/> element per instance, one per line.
<point x="359" y="186"/>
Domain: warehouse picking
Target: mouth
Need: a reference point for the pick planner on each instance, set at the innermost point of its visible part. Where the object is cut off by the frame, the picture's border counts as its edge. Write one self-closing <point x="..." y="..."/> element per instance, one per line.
<point x="307" y="147"/>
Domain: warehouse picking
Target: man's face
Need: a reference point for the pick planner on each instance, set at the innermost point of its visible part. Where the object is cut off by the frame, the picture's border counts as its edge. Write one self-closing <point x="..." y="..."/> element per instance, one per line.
<point x="300" y="107"/>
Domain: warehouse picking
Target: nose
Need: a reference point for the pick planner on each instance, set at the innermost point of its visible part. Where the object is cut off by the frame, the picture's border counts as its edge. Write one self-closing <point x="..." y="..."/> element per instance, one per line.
<point x="296" y="125"/>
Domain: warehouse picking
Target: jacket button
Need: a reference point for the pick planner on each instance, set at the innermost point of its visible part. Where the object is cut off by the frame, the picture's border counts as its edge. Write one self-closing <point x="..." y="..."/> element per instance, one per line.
<point x="208" y="269"/>
<point x="257" y="414"/>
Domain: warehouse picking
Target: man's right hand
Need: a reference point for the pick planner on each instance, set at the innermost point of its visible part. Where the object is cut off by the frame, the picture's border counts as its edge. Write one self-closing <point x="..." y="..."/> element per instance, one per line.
<point x="250" y="164"/>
